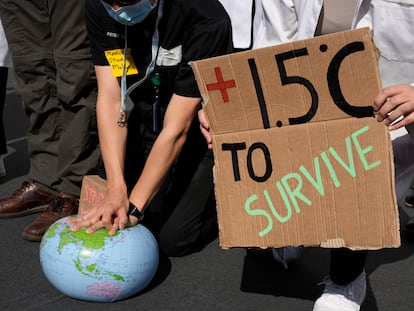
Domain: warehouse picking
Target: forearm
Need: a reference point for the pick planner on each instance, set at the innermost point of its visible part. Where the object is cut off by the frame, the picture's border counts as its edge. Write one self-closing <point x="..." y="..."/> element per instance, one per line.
<point x="162" y="157"/>
<point x="167" y="147"/>
<point x="112" y="140"/>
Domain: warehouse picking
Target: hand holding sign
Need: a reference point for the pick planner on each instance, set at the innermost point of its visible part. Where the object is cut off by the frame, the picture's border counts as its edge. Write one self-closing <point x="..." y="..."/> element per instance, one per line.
<point x="395" y="106"/>
<point x="205" y="128"/>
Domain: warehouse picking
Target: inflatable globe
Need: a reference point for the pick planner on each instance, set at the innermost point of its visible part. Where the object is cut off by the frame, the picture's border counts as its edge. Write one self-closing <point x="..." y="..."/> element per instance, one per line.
<point x="98" y="267"/>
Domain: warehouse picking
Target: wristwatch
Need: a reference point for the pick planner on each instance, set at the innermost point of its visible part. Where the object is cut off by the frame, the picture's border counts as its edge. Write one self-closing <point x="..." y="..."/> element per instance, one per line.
<point x="133" y="210"/>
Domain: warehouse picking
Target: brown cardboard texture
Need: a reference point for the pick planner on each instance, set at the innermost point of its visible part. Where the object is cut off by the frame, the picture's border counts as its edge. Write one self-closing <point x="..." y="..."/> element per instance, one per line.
<point x="299" y="158"/>
<point x="92" y="192"/>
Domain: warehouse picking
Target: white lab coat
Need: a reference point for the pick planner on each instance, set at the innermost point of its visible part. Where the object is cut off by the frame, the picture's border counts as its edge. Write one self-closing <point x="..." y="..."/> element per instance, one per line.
<point x="5" y="58"/>
<point x="274" y="21"/>
<point x="392" y="24"/>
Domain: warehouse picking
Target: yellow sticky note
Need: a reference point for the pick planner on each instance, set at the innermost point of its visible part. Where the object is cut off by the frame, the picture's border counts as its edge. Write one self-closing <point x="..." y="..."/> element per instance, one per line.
<point x="116" y="60"/>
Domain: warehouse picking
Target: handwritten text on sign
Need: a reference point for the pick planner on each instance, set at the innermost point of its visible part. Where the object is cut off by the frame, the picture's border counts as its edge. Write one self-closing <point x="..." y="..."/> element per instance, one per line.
<point x="332" y="79"/>
<point x="292" y="196"/>
<point x="293" y="128"/>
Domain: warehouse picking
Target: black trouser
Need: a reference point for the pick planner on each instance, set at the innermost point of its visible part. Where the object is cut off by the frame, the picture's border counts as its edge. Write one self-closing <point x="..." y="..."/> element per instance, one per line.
<point x="3" y="86"/>
<point x="56" y="80"/>
<point x="346" y="265"/>
<point x="183" y="213"/>
<point x="411" y="187"/>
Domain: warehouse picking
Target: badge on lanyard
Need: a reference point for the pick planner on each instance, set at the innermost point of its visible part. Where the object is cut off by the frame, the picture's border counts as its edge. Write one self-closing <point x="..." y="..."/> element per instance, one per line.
<point x="155" y="80"/>
<point x="116" y="61"/>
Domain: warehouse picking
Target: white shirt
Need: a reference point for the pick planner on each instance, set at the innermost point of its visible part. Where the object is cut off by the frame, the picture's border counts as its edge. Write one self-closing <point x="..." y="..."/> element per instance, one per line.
<point x="5" y="58"/>
<point x="392" y="23"/>
<point x="274" y="21"/>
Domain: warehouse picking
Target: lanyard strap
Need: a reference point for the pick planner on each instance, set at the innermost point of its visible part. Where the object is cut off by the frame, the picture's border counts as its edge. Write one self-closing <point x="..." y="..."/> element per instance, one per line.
<point x="126" y="102"/>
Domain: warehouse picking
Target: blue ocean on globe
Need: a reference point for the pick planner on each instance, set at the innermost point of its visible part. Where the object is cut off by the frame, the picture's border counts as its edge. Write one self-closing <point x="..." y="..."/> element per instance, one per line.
<point x="98" y="267"/>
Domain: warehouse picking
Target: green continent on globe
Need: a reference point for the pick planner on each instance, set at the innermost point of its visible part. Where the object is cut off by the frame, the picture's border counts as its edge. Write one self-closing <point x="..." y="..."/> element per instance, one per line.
<point x="91" y="241"/>
<point x="94" y="271"/>
<point x="88" y="244"/>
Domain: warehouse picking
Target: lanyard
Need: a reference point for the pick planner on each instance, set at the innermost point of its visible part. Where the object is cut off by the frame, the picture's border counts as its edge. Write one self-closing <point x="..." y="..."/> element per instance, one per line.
<point x="126" y="102"/>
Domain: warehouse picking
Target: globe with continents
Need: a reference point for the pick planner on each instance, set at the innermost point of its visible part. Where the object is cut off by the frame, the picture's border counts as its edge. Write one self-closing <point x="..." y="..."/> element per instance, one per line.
<point x="98" y="267"/>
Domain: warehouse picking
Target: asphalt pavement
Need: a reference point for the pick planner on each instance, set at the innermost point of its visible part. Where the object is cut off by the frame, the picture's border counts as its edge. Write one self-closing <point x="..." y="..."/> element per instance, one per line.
<point x="212" y="279"/>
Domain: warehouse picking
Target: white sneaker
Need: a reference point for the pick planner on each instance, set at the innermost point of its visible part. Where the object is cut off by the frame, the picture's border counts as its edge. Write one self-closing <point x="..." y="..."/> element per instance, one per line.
<point x="286" y="255"/>
<point x="342" y="298"/>
<point x="2" y="167"/>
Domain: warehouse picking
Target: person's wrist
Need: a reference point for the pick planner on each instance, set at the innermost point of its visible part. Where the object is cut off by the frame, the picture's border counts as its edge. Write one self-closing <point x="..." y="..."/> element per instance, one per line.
<point x="134" y="211"/>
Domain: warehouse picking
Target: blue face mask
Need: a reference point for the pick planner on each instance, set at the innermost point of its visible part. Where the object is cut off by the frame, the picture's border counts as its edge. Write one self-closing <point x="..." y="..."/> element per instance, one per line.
<point x="130" y="14"/>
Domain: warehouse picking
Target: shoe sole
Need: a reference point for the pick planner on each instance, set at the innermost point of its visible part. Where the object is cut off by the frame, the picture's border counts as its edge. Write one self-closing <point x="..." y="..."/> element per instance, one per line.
<point x="31" y="238"/>
<point x="35" y="210"/>
<point x="408" y="204"/>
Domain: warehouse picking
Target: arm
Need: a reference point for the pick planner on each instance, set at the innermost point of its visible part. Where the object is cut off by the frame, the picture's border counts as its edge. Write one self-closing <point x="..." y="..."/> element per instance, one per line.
<point x="180" y="113"/>
<point x="112" y="213"/>
<point x="393" y="103"/>
<point x="112" y="140"/>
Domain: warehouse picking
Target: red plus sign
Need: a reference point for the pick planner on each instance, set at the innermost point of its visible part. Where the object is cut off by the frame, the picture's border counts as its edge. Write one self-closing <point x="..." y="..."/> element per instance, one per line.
<point x="221" y="85"/>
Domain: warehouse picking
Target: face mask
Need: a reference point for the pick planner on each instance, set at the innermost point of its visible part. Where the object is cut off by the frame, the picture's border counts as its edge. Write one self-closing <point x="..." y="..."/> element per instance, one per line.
<point x="130" y="14"/>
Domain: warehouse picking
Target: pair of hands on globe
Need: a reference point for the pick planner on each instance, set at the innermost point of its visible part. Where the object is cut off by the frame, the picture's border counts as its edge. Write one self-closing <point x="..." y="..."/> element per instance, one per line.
<point x="111" y="213"/>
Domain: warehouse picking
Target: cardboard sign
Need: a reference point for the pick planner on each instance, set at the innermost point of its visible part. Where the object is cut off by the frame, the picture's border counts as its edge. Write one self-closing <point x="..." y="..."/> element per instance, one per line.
<point x="299" y="158"/>
<point x="92" y="192"/>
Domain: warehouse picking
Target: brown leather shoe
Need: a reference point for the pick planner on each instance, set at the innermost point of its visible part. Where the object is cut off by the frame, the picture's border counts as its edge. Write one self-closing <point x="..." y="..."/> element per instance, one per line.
<point x="63" y="205"/>
<point x="28" y="199"/>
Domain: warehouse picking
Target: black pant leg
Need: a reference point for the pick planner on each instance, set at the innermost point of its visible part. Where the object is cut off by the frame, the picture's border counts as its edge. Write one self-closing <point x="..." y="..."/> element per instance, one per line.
<point x="346" y="265"/>
<point x="3" y="86"/>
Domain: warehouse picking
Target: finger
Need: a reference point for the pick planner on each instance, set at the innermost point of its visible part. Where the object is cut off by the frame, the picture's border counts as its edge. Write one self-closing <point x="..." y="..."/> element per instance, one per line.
<point x="87" y="221"/>
<point x="79" y="223"/>
<point x="94" y="227"/>
<point x="122" y="221"/>
<point x="380" y="100"/>
<point x="107" y="221"/>
<point x="115" y="227"/>
<point x="393" y="119"/>
<point x="84" y="218"/>
<point x="400" y="110"/>
<point x="383" y="97"/>
<point x="403" y="122"/>
<point x="386" y="109"/>
<point x="206" y="135"/>
<point x="203" y="119"/>
<point x="389" y="92"/>
<point x="73" y="219"/>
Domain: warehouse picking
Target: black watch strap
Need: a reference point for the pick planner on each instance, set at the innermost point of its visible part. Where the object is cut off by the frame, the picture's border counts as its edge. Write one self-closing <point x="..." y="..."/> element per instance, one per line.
<point x="133" y="210"/>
